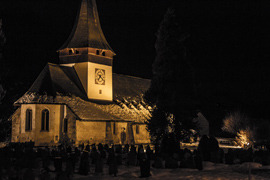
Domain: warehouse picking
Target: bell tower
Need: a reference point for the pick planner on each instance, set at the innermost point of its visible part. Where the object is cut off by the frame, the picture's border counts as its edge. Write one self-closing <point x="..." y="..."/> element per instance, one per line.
<point x="87" y="50"/>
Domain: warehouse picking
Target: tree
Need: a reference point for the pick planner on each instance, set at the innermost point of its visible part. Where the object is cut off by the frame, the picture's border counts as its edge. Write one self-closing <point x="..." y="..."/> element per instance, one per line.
<point x="262" y="132"/>
<point x="240" y="125"/>
<point x="235" y="121"/>
<point x="2" y="38"/>
<point x="4" y="124"/>
<point x="172" y="92"/>
<point x="156" y="124"/>
<point x="2" y="43"/>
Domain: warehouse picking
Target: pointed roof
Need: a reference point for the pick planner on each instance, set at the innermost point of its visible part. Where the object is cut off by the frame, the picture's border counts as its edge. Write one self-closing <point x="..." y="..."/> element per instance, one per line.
<point x="62" y="80"/>
<point x="87" y="31"/>
<point x="58" y="84"/>
<point x="56" y="79"/>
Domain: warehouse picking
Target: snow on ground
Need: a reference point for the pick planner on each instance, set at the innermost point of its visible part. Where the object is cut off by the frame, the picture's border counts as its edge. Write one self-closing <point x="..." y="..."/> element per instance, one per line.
<point x="210" y="172"/>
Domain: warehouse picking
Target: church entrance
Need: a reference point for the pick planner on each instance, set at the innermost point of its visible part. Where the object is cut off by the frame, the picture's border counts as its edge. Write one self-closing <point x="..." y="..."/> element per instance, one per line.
<point x="123" y="136"/>
<point x="109" y="133"/>
<point x="119" y="133"/>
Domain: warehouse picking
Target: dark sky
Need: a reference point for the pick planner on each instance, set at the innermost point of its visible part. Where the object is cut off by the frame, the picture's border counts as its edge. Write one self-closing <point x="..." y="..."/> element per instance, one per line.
<point x="228" y="46"/>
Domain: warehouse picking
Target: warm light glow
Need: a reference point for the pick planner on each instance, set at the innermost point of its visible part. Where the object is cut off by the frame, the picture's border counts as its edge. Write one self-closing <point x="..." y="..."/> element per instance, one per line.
<point x="244" y="139"/>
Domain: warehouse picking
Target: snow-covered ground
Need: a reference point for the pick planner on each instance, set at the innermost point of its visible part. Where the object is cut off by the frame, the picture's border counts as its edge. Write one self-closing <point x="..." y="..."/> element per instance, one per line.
<point x="210" y="172"/>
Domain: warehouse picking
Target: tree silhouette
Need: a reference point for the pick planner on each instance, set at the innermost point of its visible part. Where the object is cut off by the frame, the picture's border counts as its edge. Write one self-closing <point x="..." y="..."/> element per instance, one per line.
<point x="4" y="124"/>
<point x="172" y="92"/>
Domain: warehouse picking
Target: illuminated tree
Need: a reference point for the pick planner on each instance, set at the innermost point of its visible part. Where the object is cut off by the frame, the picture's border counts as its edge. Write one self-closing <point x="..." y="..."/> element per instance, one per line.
<point x="234" y="122"/>
<point x="172" y="89"/>
<point x="239" y="125"/>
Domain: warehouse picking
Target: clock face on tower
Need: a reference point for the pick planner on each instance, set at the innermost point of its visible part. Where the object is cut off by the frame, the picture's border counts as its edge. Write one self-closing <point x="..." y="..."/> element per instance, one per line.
<point x="100" y="76"/>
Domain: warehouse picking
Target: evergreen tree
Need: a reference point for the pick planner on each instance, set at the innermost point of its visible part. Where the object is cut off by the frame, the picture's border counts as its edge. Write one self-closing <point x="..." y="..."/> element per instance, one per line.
<point x="172" y="91"/>
<point x="4" y="124"/>
<point x="2" y="38"/>
<point x="2" y="43"/>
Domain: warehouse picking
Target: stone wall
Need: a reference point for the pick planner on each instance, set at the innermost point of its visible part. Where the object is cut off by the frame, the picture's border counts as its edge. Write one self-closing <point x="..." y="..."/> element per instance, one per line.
<point x="71" y="132"/>
<point x="55" y="116"/>
<point x="143" y="137"/>
<point x="26" y="136"/>
<point x="90" y="132"/>
<point x="15" y="130"/>
<point x="40" y="137"/>
<point x="109" y="132"/>
<point x="104" y="132"/>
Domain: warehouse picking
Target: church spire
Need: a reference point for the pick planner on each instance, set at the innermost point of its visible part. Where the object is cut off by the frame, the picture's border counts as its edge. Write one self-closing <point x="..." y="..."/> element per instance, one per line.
<point x="88" y="52"/>
<point x="87" y="31"/>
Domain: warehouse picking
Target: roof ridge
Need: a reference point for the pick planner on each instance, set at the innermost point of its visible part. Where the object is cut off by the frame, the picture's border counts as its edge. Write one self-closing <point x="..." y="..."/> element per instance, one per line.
<point x="52" y="64"/>
<point x="41" y="75"/>
<point x="135" y="77"/>
<point x="52" y="84"/>
<point x="61" y="67"/>
<point x="81" y="86"/>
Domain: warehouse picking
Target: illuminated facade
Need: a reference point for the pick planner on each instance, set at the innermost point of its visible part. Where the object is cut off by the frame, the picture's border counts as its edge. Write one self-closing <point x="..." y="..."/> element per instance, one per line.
<point x="81" y="98"/>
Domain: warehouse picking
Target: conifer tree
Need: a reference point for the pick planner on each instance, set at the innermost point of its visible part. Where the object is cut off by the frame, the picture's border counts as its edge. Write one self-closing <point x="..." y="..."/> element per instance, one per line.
<point x="2" y="43"/>
<point x="4" y="124"/>
<point x="171" y="92"/>
<point x="2" y="38"/>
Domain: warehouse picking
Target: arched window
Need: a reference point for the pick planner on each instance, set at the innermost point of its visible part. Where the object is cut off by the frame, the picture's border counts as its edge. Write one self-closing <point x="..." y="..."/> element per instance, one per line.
<point x="137" y="129"/>
<point x="65" y="125"/>
<point x="114" y="128"/>
<point x="45" y="120"/>
<point x="103" y="53"/>
<point x="28" y="120"/>
<point x="97" y="52"/>
<point x="70" y="52"/>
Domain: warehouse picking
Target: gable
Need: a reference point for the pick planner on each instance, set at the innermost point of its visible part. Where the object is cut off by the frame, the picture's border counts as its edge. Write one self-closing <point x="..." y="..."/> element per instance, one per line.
<point x="55" y="79"/>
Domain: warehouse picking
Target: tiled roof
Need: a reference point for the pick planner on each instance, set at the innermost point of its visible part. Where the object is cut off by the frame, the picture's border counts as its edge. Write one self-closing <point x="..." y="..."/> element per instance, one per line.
<point x="87" y="31"/>
<point x="58" y="79"/>
<point x="58" y="84"/>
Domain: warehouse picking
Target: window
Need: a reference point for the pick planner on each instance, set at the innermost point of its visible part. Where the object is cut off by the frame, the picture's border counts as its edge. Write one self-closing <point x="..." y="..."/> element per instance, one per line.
<point x="70" y="52"/>
<point x="97" y="52"/>
<point x="114" y="128"/>
<point x="77" y="52"/>
<point x="100" y="91"/>
<point x="45" y="120"/>
<point x="65" y="125"/>
<point x="137" y="129"/>
<point x="103" y="53"/>
<point x="28" y="120"/>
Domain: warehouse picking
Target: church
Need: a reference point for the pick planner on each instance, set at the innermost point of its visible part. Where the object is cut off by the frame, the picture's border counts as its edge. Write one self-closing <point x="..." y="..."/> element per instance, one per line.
<point x="81" y="99"/>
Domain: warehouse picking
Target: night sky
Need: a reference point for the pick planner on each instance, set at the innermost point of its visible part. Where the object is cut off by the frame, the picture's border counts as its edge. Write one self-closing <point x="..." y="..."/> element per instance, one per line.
<point x="229" y="45"/>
